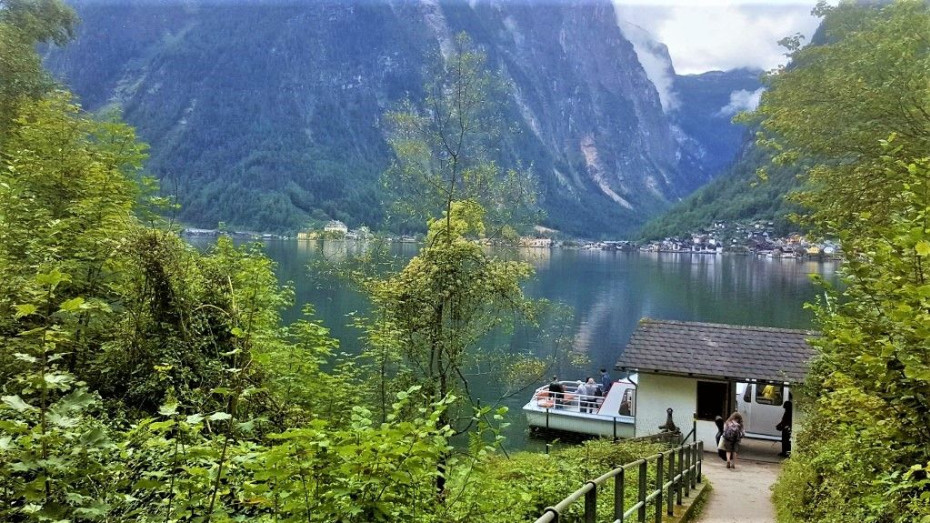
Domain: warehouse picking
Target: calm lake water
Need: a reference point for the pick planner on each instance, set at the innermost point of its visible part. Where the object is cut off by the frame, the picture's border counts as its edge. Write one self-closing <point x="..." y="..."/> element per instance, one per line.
<point x="607" y="291"/>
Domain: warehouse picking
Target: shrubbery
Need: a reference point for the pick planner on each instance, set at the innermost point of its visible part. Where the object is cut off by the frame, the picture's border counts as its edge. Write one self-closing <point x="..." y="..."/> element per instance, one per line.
<point x="143" y="380"/>
<point x="865" y="448"/>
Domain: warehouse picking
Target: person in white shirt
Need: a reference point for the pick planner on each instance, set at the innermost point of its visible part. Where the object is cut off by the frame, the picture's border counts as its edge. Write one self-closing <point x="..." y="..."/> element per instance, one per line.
<point x="586" y="395"/>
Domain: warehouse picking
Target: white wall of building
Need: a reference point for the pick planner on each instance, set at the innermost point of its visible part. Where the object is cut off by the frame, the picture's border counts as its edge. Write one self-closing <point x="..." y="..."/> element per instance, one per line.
<point x="656" y="393"/>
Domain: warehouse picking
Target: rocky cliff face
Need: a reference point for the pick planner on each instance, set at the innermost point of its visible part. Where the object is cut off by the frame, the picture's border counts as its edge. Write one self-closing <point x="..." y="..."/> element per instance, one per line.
<point x="587" y="100"/>
<point x="266" y="114"/>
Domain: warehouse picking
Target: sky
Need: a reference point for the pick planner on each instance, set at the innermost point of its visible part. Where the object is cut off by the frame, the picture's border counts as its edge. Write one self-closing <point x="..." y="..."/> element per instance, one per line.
<point x="708" y="35"/>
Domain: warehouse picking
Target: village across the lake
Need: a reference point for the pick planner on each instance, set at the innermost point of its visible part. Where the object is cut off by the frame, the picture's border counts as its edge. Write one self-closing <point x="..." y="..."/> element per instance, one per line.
<point x="757" y="237"/>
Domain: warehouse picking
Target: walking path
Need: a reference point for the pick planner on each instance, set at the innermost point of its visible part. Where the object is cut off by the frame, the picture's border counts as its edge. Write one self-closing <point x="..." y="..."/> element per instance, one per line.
<point x="743" y="494"/>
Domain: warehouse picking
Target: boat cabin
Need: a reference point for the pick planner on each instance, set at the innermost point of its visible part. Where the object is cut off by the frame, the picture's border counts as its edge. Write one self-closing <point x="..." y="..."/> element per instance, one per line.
<point x="704" y="370"/>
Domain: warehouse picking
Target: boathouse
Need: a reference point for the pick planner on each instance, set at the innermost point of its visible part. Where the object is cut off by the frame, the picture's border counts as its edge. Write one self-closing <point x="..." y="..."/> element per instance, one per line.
<point x="696" y="369"/>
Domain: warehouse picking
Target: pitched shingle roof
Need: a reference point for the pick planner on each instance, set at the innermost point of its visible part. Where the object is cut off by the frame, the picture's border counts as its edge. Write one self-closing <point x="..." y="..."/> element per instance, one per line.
<point x="716" y="350"/>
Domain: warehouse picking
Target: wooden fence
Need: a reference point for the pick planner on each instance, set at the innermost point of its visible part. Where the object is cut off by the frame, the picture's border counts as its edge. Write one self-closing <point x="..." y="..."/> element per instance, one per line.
<point x="677" y="471"/>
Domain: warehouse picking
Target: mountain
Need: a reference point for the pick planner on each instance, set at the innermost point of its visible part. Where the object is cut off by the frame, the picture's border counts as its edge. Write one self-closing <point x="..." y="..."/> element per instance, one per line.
<point x="699" y="106"/>
<point x="267" y="115"/>
<point x="706" y="104"/>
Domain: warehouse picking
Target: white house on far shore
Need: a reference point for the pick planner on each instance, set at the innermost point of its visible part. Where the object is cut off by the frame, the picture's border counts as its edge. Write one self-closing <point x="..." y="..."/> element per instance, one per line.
<point x="336" y="226"/>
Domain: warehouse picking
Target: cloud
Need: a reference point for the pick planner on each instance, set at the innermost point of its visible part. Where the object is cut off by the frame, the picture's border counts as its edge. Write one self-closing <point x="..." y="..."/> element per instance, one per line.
<point x="654" y="58"/>
<point x="714" y="35"/>
<point x="741" y="100"/>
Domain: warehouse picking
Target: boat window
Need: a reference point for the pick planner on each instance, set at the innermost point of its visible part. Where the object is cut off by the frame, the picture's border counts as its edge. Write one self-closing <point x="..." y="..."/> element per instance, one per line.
<point x="747" y="396"/>
<point x="770" y="394"/>
<point x="627" y="403"/>
<point x="711" y="399"/>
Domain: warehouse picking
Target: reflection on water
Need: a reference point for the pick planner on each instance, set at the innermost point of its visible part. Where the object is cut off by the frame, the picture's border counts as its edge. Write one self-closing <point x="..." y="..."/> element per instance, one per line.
<point x="608" y="291"/>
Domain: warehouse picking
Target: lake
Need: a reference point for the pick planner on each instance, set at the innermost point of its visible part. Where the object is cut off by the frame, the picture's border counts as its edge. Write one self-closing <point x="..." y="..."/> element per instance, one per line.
<point x="608" y="291"/>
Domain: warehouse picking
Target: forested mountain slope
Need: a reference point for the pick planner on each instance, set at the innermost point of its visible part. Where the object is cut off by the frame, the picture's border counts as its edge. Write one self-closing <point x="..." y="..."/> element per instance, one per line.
<point x="736" y="195"/>
<point x="269" y="115"/>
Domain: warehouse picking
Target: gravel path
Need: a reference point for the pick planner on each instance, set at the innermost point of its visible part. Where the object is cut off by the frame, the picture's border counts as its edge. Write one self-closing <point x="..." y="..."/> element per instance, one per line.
<point x="740" y="495"/>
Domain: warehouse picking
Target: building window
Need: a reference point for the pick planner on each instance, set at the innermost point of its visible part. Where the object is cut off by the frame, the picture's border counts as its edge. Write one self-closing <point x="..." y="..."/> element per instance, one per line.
<point x="627" y="403"/>
<point x="711" y="399"/>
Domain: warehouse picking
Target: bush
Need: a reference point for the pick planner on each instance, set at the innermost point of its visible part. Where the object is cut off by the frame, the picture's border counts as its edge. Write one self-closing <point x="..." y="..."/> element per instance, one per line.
<point x="520" y="487"/>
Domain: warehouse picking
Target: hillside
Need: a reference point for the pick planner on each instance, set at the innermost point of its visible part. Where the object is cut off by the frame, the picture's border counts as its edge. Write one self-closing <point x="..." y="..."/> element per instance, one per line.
<point x="268" y="115"/>
<point x="737" y="195"/>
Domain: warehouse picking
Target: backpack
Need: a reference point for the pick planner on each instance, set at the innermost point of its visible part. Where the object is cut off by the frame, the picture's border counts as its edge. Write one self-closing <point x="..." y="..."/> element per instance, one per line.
<point x="731" y="432"/>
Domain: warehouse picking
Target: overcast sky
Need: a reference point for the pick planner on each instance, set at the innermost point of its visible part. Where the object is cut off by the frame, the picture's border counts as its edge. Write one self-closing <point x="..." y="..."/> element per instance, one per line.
<point x="706" y="35"/>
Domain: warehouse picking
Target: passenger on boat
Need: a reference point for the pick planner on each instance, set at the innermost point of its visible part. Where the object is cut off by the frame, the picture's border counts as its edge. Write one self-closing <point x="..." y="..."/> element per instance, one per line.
<point x="556" y="392"/>
<point x="606" y="381"/>
<point x="587" y="391"/>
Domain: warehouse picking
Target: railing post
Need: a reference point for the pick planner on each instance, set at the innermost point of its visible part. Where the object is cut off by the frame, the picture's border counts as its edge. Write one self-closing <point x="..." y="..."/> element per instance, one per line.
<point x="619" y="484"/>
<point x="693" y="475"/>
<point x="590" y="504"/>
<point x="643" y="472"/>
<point x="671" y="482"/>
<point x="700" y="461"/>
<point x="687" y="477"/>
<point x="660" y="477"/>
<point x="679" y="484"/>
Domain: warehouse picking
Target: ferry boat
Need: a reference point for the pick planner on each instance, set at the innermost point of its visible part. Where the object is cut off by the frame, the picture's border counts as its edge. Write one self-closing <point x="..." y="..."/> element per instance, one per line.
<point x="609" y="416"/>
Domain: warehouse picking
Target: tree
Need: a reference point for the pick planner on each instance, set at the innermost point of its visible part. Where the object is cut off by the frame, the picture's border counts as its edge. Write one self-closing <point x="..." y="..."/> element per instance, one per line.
<point x="864" y="453"/>
<point x="826" y="111"/>
<point x="854" y="114"/>
<point x="67" y="194"/>
<point x="444" y="150"/>
<point x="23" y="25"/>
<point x="436" y="310"/>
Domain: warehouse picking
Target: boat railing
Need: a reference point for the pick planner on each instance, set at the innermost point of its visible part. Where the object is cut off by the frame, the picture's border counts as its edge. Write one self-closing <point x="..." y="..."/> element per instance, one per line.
<point x="674" y="474"/>
<point x="566" y="400"/>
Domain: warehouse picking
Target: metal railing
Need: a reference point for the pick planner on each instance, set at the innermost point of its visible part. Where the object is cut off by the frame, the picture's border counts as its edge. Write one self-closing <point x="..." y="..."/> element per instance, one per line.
<point x="677" y="472"/>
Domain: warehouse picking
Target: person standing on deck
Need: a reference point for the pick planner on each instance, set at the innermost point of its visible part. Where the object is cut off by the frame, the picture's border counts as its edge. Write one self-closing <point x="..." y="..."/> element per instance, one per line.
<point x="587" y="393"/>
<point x="582" y="393"/>
<point x="556" y="392"/>
<point x="785" y="427"/>
<point x="606" y="382"/>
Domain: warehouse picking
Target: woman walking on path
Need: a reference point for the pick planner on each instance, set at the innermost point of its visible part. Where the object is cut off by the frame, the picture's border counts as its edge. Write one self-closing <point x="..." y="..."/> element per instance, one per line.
<point x="732" y="434"/>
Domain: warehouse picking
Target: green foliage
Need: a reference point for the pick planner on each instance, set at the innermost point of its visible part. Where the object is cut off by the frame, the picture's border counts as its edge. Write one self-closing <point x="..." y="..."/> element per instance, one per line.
<point x="23" y="25"/>
<point x="51" y="450"/>
<point x="187" y="316"/>
<point x="67" y="195"/>
<point x="443" y="150"/>
<point x="872" y="378"/>
<point x="826" y="112"/>
<point x="365" y="471"/>
<point x="299" y="387"/>
<point x="445" y="301"/>
<point x="528" y="482"/>
<point x="863" y="457"/>
<point x="736" y="195"/>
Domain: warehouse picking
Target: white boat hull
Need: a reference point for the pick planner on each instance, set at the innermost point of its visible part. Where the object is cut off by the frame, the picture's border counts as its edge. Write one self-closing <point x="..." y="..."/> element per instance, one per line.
<point x="593" y="424"/>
